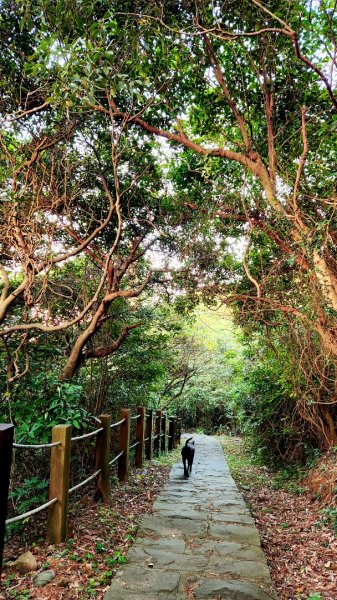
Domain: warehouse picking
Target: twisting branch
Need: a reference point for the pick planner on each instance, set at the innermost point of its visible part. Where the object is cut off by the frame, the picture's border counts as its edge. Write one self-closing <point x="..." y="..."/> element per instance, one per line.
<point x="301" y="164"/>
<point x="221" y="80"/>
<point x="314" y="68"/>
<point x="328" y="338"/>
<point x="98" y="318"/>
<point x="269" y="107"/>
<point x="247" y="270"/>
<point x="294" y="36"/>
<point x="15" y="361"/>
<point x="103" y="351"/>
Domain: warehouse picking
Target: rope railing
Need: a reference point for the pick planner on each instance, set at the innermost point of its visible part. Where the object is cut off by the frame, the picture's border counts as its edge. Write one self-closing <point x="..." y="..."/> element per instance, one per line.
<point x="86" y="435"/>
<point x="35" y="446"/>
<point x="116" y="458"/>
<point x="84" y="482"/>
<point x="118" y="423"/>
<point x="60" y="461"/>
<point x="31" y="512"/>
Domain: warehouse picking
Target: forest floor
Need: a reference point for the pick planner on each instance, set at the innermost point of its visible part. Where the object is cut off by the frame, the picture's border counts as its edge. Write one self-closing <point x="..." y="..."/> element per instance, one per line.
<point x="297" y="520"/>
<point x="100" y="535"/>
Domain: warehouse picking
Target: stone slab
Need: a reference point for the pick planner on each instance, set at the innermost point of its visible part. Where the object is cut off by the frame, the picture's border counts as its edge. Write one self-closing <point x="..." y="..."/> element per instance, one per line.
<point x="143" y="581"/>
<point x="169" y="561"/>
<point x="242" y="569"/>
<point x="231" y="590"/>
<point x="221" y="517"/>
<point x="177" y="527"/>
<point x="173" y="544"/>
<point x="235" y="533"/>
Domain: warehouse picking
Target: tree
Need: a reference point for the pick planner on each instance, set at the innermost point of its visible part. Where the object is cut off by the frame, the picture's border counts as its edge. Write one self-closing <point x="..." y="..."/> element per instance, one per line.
<point x="80" y="203"/>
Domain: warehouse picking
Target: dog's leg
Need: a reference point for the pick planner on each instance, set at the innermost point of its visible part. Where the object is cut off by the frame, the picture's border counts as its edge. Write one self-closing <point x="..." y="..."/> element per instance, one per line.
<point x="185" y="467"/>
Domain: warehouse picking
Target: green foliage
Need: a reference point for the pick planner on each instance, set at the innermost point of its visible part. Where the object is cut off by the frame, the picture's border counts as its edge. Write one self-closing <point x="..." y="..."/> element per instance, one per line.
<point x="54" y="403"/>
<point x="30" y="494"/>
<point x="329" y="517"/>
<point x="263" y="394"/>
<point x="205" y="402"/>
<point x="100" y="547"/>
<point x="117" y="559"/>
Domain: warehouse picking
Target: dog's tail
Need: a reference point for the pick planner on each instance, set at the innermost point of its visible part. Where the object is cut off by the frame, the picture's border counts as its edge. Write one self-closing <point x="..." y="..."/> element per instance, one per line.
<point x="189" y="439"/>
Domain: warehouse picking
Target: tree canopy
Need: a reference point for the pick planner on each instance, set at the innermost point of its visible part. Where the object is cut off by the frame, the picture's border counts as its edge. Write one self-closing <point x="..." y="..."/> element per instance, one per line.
<point x="202" y="130"/>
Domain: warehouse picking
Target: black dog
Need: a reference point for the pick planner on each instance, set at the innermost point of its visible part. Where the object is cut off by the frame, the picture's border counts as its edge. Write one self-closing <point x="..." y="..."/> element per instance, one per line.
<point x="187" y="453"/>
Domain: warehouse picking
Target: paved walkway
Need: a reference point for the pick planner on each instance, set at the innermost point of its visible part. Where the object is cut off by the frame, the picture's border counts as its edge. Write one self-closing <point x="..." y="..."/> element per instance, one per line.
<point x="200" y="541"/>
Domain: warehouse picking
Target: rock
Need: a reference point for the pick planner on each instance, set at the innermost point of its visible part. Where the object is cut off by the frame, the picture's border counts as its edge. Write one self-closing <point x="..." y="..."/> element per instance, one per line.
<point x="43" y="578"/>
<point x="25" y="563"/>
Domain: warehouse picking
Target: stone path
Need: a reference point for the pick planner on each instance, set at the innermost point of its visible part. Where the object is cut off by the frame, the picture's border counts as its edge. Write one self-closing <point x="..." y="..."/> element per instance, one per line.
<point x="200" y="541"/>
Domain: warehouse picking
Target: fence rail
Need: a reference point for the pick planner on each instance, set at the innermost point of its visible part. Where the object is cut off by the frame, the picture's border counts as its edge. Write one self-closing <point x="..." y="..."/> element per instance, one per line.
<point x="155" y="432"/>
<point x="36" y="446"/>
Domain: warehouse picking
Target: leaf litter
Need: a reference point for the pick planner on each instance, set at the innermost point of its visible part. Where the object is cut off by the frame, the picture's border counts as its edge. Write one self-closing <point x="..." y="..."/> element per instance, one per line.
<point x="99" y="536"/>
<point x="297" y="525"/>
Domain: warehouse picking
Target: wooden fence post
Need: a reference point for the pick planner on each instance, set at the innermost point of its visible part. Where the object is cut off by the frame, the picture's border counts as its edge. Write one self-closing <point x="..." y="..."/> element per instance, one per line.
<point x="140" y="428"/>
<point x="59" y="484"/>
<point x="6" y="444"/>
<point x="164" y="432"/>
<point x="157" y="441"/>
<point x="172" y="433"/>
<point x="149" y="435"/>
<point x="102" y="457"/>
<point x="124" y="445"/>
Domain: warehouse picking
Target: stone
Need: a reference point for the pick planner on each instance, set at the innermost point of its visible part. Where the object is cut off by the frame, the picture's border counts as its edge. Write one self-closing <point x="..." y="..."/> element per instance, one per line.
<point x="43" y="578"/>
<point x="232" y="518"/>
<point x="251" y="570"/>
<point x="235" y="533"/>
<point x="169" y="527"/>
<point x="230" y="590"/>
<point x="181" y="512"/>
<point x="214" y="547"/>
<point x="25" y="563"/>
<point x="174" y="544"/>
<point x="144" y="581"/>
<point x="166" y="560"/>
<point x="249" y="553"/>
<point x="126" y="595"/>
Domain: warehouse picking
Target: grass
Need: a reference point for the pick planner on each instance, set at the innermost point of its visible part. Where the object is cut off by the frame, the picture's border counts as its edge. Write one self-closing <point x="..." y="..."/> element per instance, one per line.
<point x="241" y="463"/>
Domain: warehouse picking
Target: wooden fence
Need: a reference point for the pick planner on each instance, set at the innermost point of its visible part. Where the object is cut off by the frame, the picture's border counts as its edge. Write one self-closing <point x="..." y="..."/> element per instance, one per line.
<point x="155" y="432"/>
